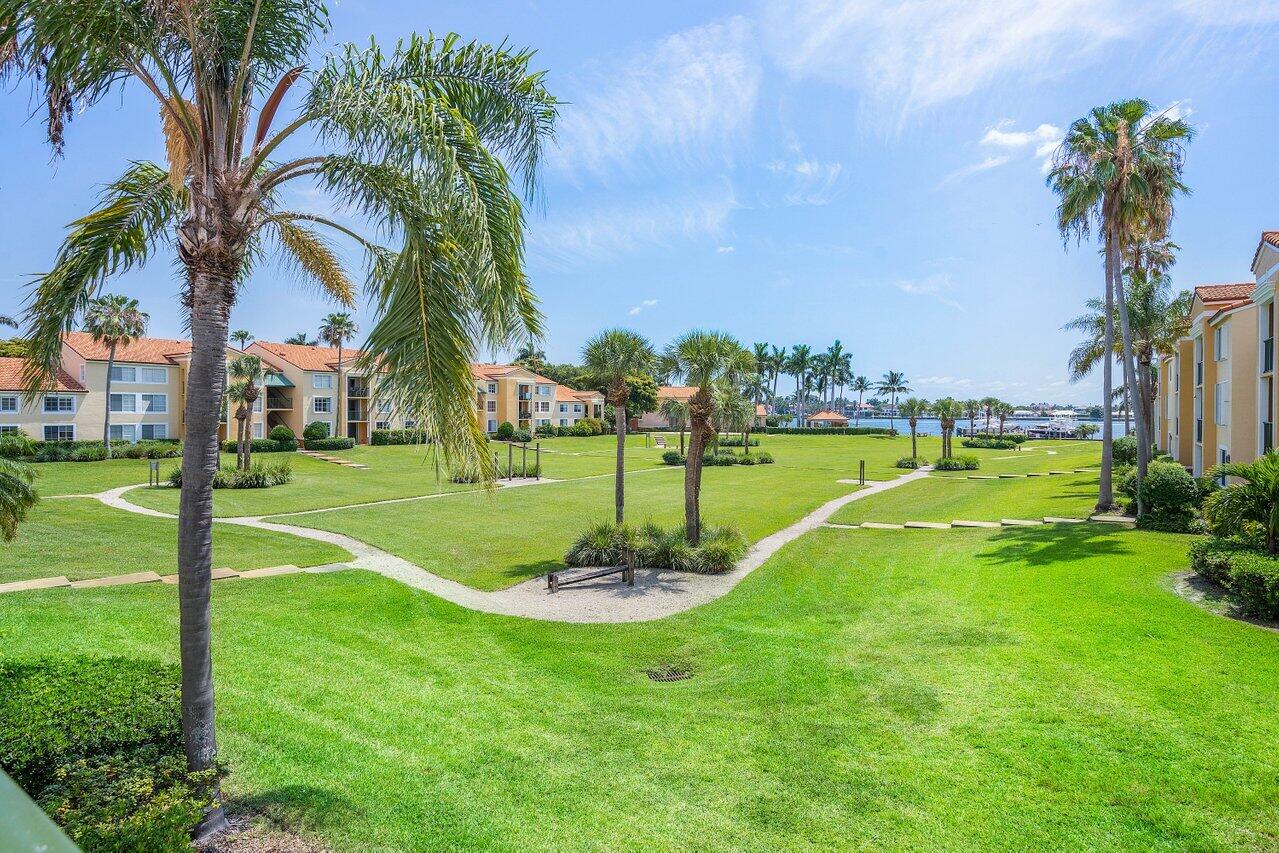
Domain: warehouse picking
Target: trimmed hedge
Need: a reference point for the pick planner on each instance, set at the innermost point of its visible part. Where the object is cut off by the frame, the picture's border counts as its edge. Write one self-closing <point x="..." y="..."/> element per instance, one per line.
<point x="330" y="443"/>
<point x="606" y="544"/>
<point x="258" y="476"/>
<point x="1014" y="437"/>
<point x="910" y="462"/>
<point x="383" y="437"/>
<point x="962" y="462"/>
<point x="263" y="445"/>
<point x="828" y="431"/>
<point x="737" y="442"/>
<point x="282" y="433"/>
<point x="316" y="430"/>
<point x="1241" y="566"/>
<point x="990" y="443"/>
<point x="88" y="451"/>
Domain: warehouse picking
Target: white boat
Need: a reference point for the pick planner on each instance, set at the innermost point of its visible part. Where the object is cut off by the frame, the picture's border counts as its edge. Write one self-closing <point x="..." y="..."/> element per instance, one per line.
<point x="1055" y="428"/>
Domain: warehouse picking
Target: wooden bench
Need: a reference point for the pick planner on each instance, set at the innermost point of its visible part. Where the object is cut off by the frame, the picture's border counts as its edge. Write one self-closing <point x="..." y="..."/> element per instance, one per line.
<point x="660" y="441"/>
<point x="567" y="577"/>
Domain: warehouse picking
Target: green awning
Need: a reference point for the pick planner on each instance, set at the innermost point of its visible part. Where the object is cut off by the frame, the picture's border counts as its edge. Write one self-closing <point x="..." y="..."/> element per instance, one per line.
<point x="278" y="380"/>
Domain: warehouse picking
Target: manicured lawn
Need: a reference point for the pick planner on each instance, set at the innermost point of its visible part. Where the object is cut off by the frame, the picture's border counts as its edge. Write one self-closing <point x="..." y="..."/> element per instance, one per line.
<point x="88" y="478"/>
<point x="1009" y="689"/>
<point x="82" y="539"/>
<point x="491" y="540"/>
<point x="1032" y="456"/>
<point x="949" y="498"/>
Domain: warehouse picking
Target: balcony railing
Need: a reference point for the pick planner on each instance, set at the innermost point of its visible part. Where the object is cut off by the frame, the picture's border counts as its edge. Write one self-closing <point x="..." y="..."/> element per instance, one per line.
<point x="1267" y="435"/>
<point x="526" y="395"/>
<point x="357" y="389"/>
<point x="1267" y="355"/>
<point x="357" y="413"/>
<point x="278" y="401"/>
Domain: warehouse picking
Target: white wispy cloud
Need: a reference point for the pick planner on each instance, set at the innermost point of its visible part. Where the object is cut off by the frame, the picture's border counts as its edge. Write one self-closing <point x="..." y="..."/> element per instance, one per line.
<point x="810" y="181"/>
<point x="595" y="235"/>
<point x="944" y="382"/>
<point x="991" y="162"/>
<point x="936" y="286"/>
<point x="684" y="99"/>
<point x="635" y="310"/>
<point x="725" y="250"/>
<point x="1002" y="137"/>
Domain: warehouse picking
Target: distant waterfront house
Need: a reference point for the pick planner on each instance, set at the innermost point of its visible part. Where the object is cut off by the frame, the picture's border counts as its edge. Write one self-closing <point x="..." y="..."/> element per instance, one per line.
<point x="761" y="416"/>
<point x="655" y="420"/>
<point x="827" y="419"/>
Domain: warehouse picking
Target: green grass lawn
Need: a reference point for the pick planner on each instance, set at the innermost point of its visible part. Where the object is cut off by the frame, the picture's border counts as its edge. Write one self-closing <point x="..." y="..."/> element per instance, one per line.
<point x="89" y="478"/>
<point x="82" y="539"/>
<point x="1013" y="689"/>
<point x="949" y="498"/>
<point x="1032" y="456"/>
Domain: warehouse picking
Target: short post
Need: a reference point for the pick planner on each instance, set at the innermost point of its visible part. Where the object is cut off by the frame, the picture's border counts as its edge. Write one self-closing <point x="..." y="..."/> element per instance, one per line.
<point x="496" y="468"/>
<point x="537" y="474"/>
<point x="524" y="460"/>
<point x="646" y="441"/>
<point x="510" y="451"/>
<point x="153" y="476"/>
<point x="861" y="472"/>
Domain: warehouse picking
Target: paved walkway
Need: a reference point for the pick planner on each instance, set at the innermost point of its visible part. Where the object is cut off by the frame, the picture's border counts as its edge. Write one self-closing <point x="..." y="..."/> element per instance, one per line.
<point x="656" y="593"/>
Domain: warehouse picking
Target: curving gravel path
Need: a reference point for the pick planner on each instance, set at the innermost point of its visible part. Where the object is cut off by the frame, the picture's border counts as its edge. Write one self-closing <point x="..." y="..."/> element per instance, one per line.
<point x="656" y="593"/>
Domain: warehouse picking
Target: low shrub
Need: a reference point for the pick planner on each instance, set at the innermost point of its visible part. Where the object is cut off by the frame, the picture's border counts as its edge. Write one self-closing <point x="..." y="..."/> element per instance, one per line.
<point x="15" y="445"/>
<point x="829" y="431"/>
<point x="1168" y="488"/>
<point x="518" y="468"/>
<point x="383" y="437"/>
<point x="1210" y="557"/>
<point x="1169" y="521"/>
<point x="522" y="436"/>
<point x="330" y="443"/>
<point x="282" y="433"/>
<point x="594" y="425"/>
<point x="605" y="544"/>
<point x="505" y="430"/>
<point x="763" y="458"/>
<point x="962" y="462"/>
<point x="258" y="476"/>
<point x="545" y="431"/>
<point x="746" y="459"/>
<point x="581" y="429"/>
<point x="910" y="462"/>
<point x="725" y="458"/>
<point x="674" y="457"/>
<point x="1011" y="437"/>
<point x="1254" y="583"/>
<point x="316" y="430"/>
<point x="736" y="441"/>
<point x="263" y="445"/>
<point x="990" y="443"/>
<point x="97" y="742"/>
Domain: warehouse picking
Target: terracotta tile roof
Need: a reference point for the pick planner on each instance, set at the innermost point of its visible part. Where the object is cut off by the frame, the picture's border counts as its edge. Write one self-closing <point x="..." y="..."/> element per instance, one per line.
<point x="826" y="415"/>
<point x="761" y="411"/>
<point x="137" y="351"/>
<point x="322" y="359"/>
<point x="678" y="392"/>
<point x="490" y="372"/>
<point x="1228" y="307"/>
<point x="1220" y="292"/>
<point x="588" y="395"/>
<point x="1271" y="237"/>
<point x="11" y="377"/>
<point x="565" y="394"/>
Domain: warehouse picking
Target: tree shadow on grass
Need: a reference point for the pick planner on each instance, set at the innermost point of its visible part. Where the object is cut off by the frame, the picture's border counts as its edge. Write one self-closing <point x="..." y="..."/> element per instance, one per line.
<point x="1054" y="543"/>
<point x="293" y="807"/>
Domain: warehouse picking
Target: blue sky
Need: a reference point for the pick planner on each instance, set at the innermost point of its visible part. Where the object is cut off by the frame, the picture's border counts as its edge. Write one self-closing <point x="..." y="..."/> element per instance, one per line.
<point x="792" y="171"/>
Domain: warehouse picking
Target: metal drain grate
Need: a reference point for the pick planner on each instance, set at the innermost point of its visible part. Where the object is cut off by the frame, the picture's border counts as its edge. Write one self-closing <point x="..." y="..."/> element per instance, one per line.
<point x="668" y="672"/>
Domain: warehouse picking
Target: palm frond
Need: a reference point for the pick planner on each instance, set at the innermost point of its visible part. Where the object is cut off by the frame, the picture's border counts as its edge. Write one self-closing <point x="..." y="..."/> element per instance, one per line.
<point x="17" y="496"/>
<point x="132" y="218"/>
<point x="314" y="258"/>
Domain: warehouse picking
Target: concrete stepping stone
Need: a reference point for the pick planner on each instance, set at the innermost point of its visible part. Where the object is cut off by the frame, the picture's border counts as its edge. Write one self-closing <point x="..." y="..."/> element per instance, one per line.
<point x="1037" y="474"/>
<point x="328" y="567"/>
<point x="1011" y="476"/>
<point x="117" y="580"/>
<point x="1052" y="519"/>
<point x="1019" y="522"/>
<point x="1113" y="519"/>
<point x="216" y="574"/>
<point x="1059" y="472"/>
<point x="38" y="583"/>
<point x="270" y="571"/>
<point x="875" y="525"/>
<point x="927" y="525"/>
<point x="982" y="477"/>
<point x="986" y="524"/>
<point x="1083" y="470"/>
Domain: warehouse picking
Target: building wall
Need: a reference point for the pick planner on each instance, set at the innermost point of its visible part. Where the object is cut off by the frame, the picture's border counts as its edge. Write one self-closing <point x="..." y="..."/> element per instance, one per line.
<point x="1244" y="419"/>
<point x="31" y="419"/>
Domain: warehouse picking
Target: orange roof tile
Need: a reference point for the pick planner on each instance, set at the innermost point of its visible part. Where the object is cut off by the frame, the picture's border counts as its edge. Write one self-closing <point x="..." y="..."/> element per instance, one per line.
<point x="137" y="351"/>
<point x="11" y="377"/>
<point x="1220" y="292"/>
<point x="827" y="415"/>
<point x="588" y="395"/>
<point x="1271" y="237"/>
<point x="678" y="392"/>
<point x="490" y="372"/>
<point x="761" y="411"/>
<point x="322" y="359"/>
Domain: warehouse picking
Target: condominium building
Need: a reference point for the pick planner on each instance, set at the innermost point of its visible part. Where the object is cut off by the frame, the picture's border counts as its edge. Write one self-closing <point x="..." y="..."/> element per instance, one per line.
<point x="509" y="393"/>
<point x="1215" y="396"/>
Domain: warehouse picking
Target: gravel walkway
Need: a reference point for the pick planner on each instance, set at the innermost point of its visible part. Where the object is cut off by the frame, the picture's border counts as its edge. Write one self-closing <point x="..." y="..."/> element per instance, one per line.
<point x="656" y="593"/>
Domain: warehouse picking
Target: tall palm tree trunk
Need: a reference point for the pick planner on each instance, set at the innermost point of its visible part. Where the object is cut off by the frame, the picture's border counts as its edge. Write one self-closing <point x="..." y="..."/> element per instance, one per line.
<point x="106" y="419"/>
<point x="206" y="383"/>
<point x="1114" y="261"/>
<point x="619" y="478"/>
<point x="339" y="427"/>
<point x="1105" y="492"/>
<point x="700" y="408"/>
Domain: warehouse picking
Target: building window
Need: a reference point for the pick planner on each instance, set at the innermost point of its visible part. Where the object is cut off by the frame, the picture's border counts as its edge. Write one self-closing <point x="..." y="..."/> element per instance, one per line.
<point x="577" y="408"/>
<point x="543" y="406"/>
<point x="545" y="390"/>
<point x="59" y="403"/>
<point x="492" y="425"/>
<point x="563" y="408"/>
<point x="154" y="375"/>
<point x="123" y="403"/>
<point x="6" y="429"/>
<point x="9" y="403"/>
<point x="257" y="429"/>
<point x="59" y="432"/>
<point x="490" y="406"/>
<point x="1221" y="343"/>
<point x="492" y="387"/>
<point x="541" y="421"/>
<point x="1223" y="456"/>
<point x="384" y="407"/>
<point x="123" y="432"/>
<point x="322" y="405"/>
<point x="120" y="373"/>
<point x="382" y="425"/>
<point x="563" y="422"/>
<point x="322" y="380"/>
<point x="154" y="430"/>
<point x="1221" y="403"/>
<point x="160" y="403"/>
<point x="257" y="404"/>
<point x="409" y="423"/>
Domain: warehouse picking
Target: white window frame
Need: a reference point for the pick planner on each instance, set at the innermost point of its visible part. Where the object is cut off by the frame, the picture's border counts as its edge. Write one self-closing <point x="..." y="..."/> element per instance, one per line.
<point x="315" y="406"/>
<point x="1221" y="403"/>
<point x="577" y="408"/>
<point x="492" y="387"/>
<point x="257" y="429"/>
<point x="8" y="429"/>
<point x="545" y="390"/>
<point x="44" y="406"/>
<point x="44" y="431"/>
<point x="563" y="422"/>
<point x="492" y="425"/>
<point x="490" y="406"/>
<point x="127" y="373"/>
<point x="159" y="375"/>
<point x="409" y="423"/>
<point x="118" y="432"/>
<point x="1221" y="343"/>
<point x="382" y="425"/>
<point x="145" y="405"/>
<point x="322" y="381"/>
<point x="9" y="403"/>
<point x="162" y="428"/>
<point x="125" y="396"/>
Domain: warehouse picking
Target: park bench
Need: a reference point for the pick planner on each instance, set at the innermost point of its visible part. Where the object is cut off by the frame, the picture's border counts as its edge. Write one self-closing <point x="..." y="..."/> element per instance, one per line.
<point x="566" y="577"/>
<point x="660" y="441"/>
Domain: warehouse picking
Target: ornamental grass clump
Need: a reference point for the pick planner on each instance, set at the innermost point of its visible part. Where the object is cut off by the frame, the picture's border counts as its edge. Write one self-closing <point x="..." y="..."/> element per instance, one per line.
<point x="655" y="547"/>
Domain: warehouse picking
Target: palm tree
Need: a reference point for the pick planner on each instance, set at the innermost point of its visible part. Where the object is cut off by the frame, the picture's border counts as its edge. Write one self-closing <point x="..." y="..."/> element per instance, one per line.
<point x="893" y="382"/>
<point x="1003" y="411"/>
<point x="834" y="355"/>
<point x="798" y="365"/>
<point x="989" y="404"/>
<point x="241" y="338"/>
<point x="675" y="411"/>
<point x="114" y="320"/>
<point x="843" y="373"/>
<point x="301" y="339"/>
<point x="971" y="408"/>
<point x="861" y="385"/>
<point x="733" y="412"/>
<point x="702" y="359"/>
<point x="245" y="370"/>
<point x="1254" y="499"/>
<point x="913" y="409"/>
<point x="777" y="361"/>
<point x="6" y="320"/>
<point x="610" y="359"/>
<point x="16" y="496"/>
<point x="335" y="330"/>
<point x="821" y="376"/>
<point x="948" y="410"/>
<point x="431" y="142"/>
<point x="1117" y="171"/>
<point x="760" y="352"/>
